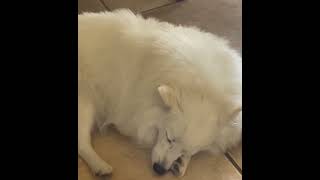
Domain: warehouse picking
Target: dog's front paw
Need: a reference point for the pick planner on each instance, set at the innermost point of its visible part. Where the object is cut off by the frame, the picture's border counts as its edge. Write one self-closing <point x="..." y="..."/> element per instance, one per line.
<point x="177" y="169"/>
<point x="102" y="169"/>
<point x="179" y="166"/>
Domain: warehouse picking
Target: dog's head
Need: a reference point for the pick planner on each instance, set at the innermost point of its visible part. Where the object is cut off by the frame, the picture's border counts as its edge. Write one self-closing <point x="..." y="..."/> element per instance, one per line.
<point x="191" y="125"/>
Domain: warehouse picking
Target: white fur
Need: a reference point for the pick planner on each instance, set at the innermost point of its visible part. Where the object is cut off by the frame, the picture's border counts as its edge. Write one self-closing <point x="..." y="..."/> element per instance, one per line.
<point x="153" y="79"/>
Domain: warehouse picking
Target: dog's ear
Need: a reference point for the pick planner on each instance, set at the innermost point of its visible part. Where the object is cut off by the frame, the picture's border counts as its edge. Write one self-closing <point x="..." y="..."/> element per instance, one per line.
<point x="235" y="112"/>
<point x="235" y="108"/>
<point x="168" y="96"/>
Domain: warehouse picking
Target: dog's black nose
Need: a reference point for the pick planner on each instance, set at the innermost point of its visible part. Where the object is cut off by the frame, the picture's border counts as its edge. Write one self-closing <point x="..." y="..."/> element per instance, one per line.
<point x="159" y="169"/>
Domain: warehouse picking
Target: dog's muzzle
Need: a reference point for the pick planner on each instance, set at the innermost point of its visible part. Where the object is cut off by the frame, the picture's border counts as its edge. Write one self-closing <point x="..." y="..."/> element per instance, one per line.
<point x="160" y="170"/>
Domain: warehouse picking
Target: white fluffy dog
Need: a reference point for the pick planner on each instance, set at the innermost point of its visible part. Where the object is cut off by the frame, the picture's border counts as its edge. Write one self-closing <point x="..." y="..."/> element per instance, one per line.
<point x="176" y="89"/>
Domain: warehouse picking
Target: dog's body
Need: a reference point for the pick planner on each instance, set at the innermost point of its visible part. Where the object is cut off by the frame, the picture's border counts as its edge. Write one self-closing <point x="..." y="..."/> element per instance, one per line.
<point x="172" y="88"/>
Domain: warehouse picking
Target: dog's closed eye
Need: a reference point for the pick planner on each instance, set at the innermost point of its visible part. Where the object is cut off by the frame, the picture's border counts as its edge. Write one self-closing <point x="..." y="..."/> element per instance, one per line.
<point x="170" y="140"/>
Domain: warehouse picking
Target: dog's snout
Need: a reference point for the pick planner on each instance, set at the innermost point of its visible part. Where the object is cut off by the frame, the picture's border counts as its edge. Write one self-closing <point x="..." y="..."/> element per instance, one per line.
<point x="159" y="169"/>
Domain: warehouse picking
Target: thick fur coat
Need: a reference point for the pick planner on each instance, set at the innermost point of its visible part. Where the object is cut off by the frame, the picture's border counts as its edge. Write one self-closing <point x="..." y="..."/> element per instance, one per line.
<point x="175" y="89"/>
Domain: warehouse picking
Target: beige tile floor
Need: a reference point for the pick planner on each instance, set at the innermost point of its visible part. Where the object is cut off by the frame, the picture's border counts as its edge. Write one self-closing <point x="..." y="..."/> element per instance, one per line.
<point x="222" y="17"/>
<point x="137" y="5"/>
